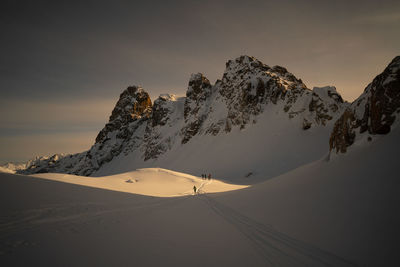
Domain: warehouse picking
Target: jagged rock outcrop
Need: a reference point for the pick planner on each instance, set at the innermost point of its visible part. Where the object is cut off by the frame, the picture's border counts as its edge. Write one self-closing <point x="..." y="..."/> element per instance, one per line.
<point x="122" y="132"/>
<point x="196" y="105"/>
<point x="54" y="163"/>
<point x="133" y="104"/>
<point x="325" y="101"/>
<point x="373" y="113"/>
<point x="248" y="88"/>
<point x="248" y="85"/>
<point x="161" y="109"/>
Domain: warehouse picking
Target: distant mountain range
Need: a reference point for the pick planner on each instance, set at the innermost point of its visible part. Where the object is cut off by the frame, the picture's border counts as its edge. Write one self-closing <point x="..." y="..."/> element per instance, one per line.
<point x="254" y="123"/>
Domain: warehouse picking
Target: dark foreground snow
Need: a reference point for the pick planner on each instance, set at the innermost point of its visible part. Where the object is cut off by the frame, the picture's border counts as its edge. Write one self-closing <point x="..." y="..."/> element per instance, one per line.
<point x="338" y="213"/>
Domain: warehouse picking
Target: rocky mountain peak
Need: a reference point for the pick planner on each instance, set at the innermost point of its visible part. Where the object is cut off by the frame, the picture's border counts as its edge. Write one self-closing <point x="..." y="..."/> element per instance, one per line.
<point x="374" y="112"/>
<point x="237" y="68"/>
<point x="383" y="100"/>
<point x="242" y="64"/>
<point x="248" y="86"/>
<point x="134" y="103"/>
<point x="284" y="74"/>
<point x="199" y="85"/>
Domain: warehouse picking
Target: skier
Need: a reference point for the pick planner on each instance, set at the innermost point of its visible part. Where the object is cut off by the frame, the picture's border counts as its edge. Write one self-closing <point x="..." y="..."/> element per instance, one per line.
<point x="194" y="189"/>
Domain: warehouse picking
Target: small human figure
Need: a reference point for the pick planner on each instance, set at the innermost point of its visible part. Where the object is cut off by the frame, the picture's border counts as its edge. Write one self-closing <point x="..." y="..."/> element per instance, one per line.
<point x="194" y="189"/>
<point x="209" y="176"/>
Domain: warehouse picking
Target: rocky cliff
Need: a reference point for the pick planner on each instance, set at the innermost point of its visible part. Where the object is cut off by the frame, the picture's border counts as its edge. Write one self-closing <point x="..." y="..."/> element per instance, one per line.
<point x="371" y="114"/>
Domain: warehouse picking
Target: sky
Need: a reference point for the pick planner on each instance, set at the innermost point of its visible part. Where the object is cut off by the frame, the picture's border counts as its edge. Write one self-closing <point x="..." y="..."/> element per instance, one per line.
<point x="63" y="64"/>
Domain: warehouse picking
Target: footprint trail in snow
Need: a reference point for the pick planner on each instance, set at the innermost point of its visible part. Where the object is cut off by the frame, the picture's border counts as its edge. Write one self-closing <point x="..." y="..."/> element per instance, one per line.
<point x="275" y="247"/>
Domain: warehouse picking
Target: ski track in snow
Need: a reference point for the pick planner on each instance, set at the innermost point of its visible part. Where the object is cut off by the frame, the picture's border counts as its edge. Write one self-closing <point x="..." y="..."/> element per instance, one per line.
<point x="199" y="190"/>
<point x="70" y="217"/>
<point x="275" y="247"/>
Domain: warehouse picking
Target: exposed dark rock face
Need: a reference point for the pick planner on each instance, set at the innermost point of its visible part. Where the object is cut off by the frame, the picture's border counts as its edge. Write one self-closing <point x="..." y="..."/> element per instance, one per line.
<point x="248" y="85"/>
<point x="343" y="133"/>
<point x="196" y="105"/>
<point x="373" y="112"/>
<point x="325" y="102"/>
<point x="199" y="90"/>
<point x="192" y="128"/>
<point x="55" y="163"/>
<point x="133" y="104"/>
<point x="159" y="114"/>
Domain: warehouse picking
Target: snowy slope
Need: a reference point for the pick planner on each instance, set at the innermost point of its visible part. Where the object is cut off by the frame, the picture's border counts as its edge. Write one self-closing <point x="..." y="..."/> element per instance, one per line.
<point x="341" y="212"/>
<point x="150" y="182"/>
<point x="258" y="152"/>
<point x="348" y="205"/>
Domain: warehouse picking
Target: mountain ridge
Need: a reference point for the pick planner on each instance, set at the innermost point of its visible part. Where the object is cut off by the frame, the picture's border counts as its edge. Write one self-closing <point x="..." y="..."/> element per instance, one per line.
<point x="250" y="95"/>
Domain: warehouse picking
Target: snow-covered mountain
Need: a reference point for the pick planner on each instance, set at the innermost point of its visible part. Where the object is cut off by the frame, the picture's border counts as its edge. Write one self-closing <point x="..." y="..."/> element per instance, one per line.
<point x="12" y="167"/>
<point x="372" y="114"/>
<point x="256" y="122"/>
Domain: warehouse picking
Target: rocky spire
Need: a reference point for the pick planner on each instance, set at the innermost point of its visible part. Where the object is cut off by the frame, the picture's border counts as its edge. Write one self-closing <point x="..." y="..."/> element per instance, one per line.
<point x="199" y="90"/>
<point x="196" y="106"/>
<point x="133" y="104"/>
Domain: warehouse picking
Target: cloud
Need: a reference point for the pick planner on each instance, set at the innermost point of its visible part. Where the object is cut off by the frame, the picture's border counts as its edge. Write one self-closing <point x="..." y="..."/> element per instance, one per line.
<point x="50" y="114"/>
<point x="33" y="128"/>
<point x="24" y="147"/>
<point x="379" y="19"/>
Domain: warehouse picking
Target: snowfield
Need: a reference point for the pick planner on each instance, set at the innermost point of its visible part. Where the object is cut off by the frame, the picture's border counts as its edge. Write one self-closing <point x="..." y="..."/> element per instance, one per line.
<point x="342" y="212"/>
<point x="150" y="182"/>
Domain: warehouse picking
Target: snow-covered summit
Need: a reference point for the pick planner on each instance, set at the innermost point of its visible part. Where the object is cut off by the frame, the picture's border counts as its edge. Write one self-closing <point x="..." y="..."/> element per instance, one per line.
<point x="327" y="92"/>
<point x="12" y="167"/>
<point x="238" y="67"/>
<point x="251" y="85"/>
